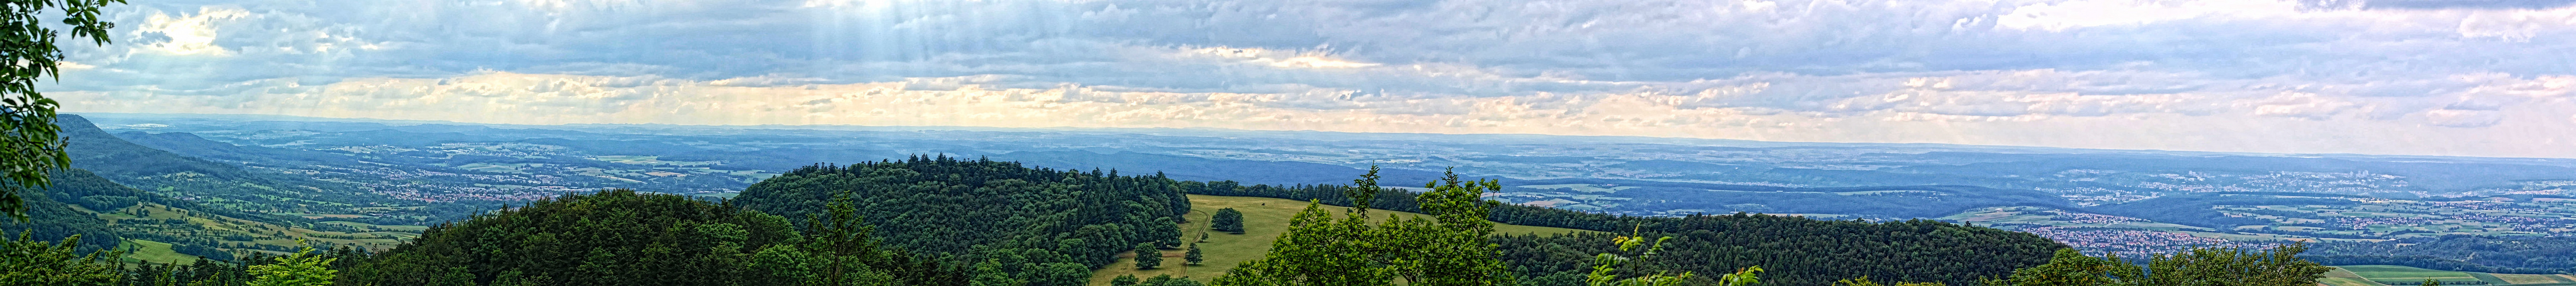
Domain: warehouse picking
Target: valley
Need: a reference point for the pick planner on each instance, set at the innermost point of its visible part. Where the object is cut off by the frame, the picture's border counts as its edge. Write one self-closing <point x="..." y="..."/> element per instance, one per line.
<point x="363" y="183"/>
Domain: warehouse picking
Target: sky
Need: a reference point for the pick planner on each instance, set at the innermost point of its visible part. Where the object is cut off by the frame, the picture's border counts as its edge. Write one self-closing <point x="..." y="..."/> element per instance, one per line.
<point x="2403" y="77"/>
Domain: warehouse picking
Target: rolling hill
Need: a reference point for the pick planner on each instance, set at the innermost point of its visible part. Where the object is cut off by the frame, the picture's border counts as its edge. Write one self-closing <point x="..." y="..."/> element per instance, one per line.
<point x="1264" y="220"/>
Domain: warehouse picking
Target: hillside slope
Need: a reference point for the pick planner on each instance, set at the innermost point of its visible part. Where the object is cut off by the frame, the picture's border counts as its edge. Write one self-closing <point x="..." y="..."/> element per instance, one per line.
<point x="1264" y="219"/>
<point x="51" y="218"/>
<point x="227" y="189"/>
<point x="168" y="230"/>
<point x="1044" y="226"/>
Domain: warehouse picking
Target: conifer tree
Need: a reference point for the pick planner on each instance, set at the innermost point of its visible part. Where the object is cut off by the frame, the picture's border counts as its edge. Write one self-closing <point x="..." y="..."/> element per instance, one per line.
<point x="1605" y="266"/>
<point x="843" y="239"/>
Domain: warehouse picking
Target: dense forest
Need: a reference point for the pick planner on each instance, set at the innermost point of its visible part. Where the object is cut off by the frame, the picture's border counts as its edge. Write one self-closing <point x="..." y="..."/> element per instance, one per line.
<point x="1796" y="250"/>
<point x="52" y="218"/>
<point x="935" y="220"/>
<point x="56" y="212"/>
<point x="622" y="237"/>
<point x="1045" y="227"/>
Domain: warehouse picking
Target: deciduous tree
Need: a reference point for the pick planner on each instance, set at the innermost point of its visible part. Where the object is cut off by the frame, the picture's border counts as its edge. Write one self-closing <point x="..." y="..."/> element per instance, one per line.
<point x="301" y="269"/>
<point x="1193" y="257"/>
<point x="30" y="262"/>
<point x="30" y="146"/>
<point x="1447" y="248"/>
<point x="1148" y="256"/>
<point x="2279" y="266"/>
<point x="1227" y="220"/>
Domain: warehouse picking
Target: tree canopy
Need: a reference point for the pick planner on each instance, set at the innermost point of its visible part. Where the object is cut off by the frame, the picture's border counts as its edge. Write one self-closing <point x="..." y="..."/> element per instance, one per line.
<point x="30" y="262"/>
<point x="1226" y="220"/>
<point x="1041" y="226"/>
<point x="1446" y="248"/>
<point x="2279" y="266"/>
<point x="621" y="237"/>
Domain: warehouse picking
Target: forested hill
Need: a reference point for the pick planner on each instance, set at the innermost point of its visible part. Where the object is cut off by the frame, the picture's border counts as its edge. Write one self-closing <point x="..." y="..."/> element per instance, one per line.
<point x="230" y="190"/>
<point x="621" y="237"/>
<point x="51" y="213"/>
<point x="1047" y="227"/>
<point x="105" y="214"/>
<point x="1795" y="250"/>
<point x="1039" y="221"/>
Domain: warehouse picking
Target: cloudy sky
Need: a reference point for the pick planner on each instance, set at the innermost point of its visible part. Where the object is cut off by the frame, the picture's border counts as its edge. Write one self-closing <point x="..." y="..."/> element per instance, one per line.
<point x="2418" y="77"/>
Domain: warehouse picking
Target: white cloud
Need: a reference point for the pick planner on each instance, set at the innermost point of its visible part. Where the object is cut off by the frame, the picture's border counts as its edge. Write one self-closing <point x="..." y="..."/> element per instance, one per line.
<point x="2059" y="16"/>
<point x="2516" y="25"/>
<point x="2074" y="73"/>
<point x="2301" y="105"/>
<point x="190" y="34"/>
<point x="2463" y="118"/>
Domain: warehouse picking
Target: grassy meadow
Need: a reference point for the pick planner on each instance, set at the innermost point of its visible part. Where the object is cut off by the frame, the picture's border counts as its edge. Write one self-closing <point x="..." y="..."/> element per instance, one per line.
<point x="1264" y="219"/>
<point x="147" y="218"/>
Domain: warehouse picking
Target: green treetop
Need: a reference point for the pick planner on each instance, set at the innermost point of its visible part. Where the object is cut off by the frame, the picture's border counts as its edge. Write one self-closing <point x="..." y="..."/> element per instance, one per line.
<point x="302" y="269"/>
<point x="1605" y="265"/>
<point x="1148" y="256"/>
<point x="30" y="262"/>
<point x="2279" y="266"/>
<point x="1448" y="248"/>
<point x="1193" y="256"/>
<point x="1227" y="220"/>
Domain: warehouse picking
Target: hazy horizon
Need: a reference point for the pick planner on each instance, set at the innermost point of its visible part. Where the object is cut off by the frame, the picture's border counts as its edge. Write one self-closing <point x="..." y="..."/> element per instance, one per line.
<point x="2435" y="78"/>
<point x="1299" y="134"/>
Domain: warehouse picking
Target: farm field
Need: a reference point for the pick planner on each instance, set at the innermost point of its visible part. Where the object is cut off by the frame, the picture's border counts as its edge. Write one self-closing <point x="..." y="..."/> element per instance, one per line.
<point x="1264" y="219"/>
<point x="237" y="235"/>
<point x="2384" y="275"/>
<point x="2264" y="220"/>
<point x="154" y="252"/>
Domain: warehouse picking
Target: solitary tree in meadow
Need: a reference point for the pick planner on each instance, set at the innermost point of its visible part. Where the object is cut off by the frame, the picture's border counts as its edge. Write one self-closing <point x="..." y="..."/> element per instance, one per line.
<point x="1227" y="220"/>
<point x="1193" y="256"/>
<point x="1148" y="256"/>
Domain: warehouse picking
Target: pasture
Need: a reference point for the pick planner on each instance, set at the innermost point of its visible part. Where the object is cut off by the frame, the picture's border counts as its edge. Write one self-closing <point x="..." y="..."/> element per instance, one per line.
<point x="1264" y="219"/>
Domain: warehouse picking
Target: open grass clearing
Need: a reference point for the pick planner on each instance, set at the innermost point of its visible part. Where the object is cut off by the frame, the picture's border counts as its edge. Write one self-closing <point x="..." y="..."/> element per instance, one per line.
<point x="1264" y="219"/>
<point x="154" y="252"/>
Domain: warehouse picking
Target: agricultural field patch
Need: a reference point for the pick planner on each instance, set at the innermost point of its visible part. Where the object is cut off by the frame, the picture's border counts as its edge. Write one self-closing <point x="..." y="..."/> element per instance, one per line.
<point x="154" y="252"/>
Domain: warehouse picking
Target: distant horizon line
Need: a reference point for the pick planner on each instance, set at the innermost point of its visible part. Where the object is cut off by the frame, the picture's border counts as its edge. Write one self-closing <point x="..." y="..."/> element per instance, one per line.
<point x="850" y="127"/>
